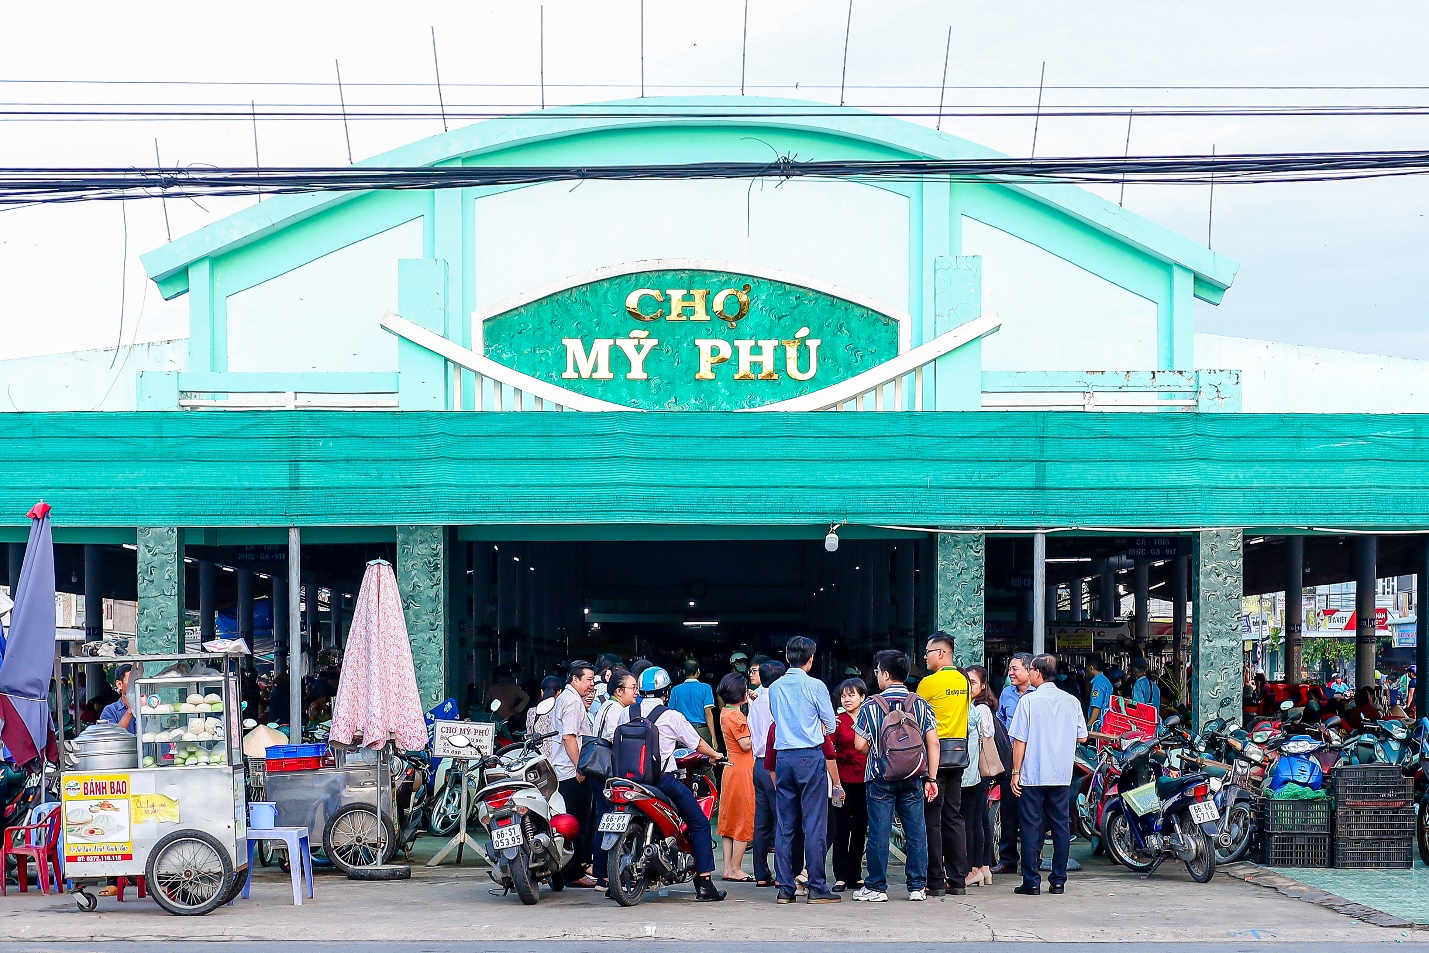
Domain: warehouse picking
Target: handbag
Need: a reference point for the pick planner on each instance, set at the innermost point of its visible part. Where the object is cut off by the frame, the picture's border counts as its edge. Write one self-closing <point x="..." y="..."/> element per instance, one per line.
<point x="597" y="758"/>
<point x="952" y="753"/>
<point x="989" y="762"/>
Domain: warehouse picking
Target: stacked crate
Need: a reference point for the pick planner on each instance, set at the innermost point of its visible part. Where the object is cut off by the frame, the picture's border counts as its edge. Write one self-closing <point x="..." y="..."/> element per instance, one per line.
<point x="1293" y="833"/>
<point x="1374" y="816"/>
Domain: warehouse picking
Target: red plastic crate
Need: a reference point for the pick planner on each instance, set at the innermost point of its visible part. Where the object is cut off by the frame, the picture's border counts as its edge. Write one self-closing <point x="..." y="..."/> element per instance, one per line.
<point x="1124" y="716"/>
<point x="280" y="765"/>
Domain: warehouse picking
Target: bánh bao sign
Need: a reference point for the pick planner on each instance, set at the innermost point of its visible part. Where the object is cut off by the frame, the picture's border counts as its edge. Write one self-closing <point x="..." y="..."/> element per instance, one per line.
<point x="691" y="338"/>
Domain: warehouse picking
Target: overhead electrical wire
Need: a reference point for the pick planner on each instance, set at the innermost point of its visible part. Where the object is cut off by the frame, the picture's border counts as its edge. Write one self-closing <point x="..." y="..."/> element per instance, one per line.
<point x="54" y="185"/>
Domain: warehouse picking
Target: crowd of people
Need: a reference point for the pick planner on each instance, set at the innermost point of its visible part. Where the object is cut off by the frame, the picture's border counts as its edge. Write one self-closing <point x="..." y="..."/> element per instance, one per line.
<point x="816" y="785"/>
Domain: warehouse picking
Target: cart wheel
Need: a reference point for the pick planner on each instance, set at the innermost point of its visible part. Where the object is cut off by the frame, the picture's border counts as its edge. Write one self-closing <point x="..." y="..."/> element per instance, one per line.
<point x="353" y="835"/>
<point x="381" y="872"/>
<point x="235" y="886"/>
<point x="189" y="873"/>
<point x="86" y="901"/>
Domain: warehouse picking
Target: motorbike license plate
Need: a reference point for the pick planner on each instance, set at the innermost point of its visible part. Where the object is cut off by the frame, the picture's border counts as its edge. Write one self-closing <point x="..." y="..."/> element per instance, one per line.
<point x="614" y="823"/>
<point x="504" y="837"/>
<point x="1204" y="812"/>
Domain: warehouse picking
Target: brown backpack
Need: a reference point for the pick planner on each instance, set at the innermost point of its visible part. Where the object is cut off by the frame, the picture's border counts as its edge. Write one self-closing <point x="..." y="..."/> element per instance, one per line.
<point x="902" y="751"/>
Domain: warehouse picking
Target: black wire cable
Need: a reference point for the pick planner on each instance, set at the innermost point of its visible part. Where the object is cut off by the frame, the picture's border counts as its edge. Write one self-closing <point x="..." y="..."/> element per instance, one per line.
<point x="51" y="185"/>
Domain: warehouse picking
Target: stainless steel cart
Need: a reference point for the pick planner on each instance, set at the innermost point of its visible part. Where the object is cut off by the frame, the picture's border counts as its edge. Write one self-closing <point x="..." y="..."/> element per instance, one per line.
<point x="349" y="806"/>
<point x="178" y="817"/>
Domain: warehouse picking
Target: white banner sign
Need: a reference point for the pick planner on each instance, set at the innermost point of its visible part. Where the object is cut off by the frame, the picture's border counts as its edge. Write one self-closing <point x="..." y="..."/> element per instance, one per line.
<point x="463" y="739"/>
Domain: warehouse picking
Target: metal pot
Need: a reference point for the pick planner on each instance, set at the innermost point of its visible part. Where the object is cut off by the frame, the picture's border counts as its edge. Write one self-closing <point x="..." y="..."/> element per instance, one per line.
<point x="117" y="761"/>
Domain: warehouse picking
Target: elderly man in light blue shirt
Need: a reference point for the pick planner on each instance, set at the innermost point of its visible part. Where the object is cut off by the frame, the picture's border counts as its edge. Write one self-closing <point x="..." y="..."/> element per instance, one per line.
<point x="803" y="715"/>
<point x="1046" y="729"/>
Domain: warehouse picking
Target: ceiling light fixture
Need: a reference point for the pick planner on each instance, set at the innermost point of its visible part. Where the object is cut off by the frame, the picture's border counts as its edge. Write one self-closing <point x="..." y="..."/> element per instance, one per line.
<point x="831" y="541"/>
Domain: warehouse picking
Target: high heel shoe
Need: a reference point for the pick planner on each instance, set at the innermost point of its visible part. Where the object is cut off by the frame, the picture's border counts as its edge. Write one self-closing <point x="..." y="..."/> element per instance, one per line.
<point x="987" y="876"/>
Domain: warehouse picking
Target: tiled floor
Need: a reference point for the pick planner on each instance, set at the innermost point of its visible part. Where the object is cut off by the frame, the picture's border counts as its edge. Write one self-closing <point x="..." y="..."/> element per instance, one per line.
<point x="1404" y="893"/>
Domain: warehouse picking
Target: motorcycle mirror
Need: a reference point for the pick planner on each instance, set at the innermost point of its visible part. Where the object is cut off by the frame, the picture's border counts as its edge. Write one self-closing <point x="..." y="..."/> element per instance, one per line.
<point x="546" y="706"/>
<point x="1287" y="705"/>
<point x="249" y="724"/>
<point x="1172" y="721"/>
<point x="495" y="705"/>
<point x="1334" y="721"/>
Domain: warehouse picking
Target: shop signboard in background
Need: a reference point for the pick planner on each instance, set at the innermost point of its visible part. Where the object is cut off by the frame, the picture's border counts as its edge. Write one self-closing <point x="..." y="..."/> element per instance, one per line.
<point x="1153" y="547"/>
<point x="1088" y="637"/>
<point x="462" y="739"/>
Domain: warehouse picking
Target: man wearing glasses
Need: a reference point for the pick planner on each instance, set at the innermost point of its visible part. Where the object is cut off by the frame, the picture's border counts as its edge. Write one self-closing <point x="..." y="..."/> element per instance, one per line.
<point x="946" y="691"/>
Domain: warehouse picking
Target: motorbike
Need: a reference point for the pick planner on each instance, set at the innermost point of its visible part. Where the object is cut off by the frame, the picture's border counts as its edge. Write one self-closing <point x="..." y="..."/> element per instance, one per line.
<point x="1379" y="742"/>
<point x="1234" y="797"/>
<point x="532" y="836"/>
<point x="1165" y="817"/>
<point x="645" y="837"/>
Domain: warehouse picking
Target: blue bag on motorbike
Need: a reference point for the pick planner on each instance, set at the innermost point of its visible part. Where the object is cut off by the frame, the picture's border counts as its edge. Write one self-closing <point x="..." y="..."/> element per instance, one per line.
<point x="1297" y="769"/>
<point x="635" y="748"/>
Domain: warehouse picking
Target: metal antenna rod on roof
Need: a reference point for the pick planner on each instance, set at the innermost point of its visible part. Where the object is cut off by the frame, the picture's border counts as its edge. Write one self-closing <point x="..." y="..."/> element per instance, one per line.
<point x="1037" y="119"/>
<point x="1125" y="154"/>
<point x="541" y="28"/>
<point x="1211" y="204"/>
<point x="163" y="200"/>
<point x="437" y="68"/>
<point x="257" y="164"/>
<point x="943" y="87"/>
<point x="642" y="49"/>
<point x="843" y="76"/>
<point x="744" y="48"/>
<point x="342" y="101"/>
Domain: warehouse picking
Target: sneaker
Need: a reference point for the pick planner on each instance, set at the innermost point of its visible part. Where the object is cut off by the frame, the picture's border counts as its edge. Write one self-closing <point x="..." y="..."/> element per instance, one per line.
<point x="917" y="895"/>
<point x="870" y="896"/>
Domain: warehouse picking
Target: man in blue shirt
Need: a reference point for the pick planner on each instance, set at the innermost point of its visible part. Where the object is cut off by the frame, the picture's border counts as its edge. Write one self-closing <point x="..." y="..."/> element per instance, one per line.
<point x="695" y="700"/>
<point x="120" y="713"/>
<point x="1019" y="683"/>
<point x="803" y="715"/>
<point x="1145" y="691"/>
<point x="1102" y="690"/>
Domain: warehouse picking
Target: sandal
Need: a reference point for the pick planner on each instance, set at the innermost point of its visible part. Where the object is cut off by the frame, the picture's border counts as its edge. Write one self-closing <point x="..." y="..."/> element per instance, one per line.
<point x="738" y="880"/>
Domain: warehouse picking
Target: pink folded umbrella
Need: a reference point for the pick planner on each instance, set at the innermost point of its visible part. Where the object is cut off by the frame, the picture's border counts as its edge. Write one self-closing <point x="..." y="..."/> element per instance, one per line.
<point x="377" y="698"/>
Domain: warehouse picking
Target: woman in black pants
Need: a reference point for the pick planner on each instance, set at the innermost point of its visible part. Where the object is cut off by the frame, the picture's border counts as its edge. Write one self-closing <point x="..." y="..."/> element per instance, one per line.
<point x="848" y="822"/>
<point x="981" y="846"/>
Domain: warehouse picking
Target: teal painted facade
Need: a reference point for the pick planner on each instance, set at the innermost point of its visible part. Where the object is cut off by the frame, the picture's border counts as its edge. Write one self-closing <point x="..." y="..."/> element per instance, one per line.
<point x="450" y="316"/>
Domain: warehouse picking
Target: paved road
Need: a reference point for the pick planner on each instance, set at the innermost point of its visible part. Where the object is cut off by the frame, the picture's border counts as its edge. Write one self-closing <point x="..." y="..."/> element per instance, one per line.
<point x="1248" y="945"/>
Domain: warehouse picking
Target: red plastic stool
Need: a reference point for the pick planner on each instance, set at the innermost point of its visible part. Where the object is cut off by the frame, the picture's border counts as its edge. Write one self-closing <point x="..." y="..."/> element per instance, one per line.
<point x="121" y="884"/>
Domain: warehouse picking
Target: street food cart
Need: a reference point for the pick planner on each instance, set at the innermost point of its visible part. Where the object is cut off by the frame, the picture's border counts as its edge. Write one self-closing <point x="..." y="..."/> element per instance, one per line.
<point x="170" y="808"/>
<point x="348" y="807"/>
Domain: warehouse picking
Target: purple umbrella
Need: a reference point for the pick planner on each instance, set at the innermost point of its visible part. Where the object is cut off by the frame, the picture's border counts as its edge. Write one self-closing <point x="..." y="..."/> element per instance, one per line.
<point x="29" y="661"/>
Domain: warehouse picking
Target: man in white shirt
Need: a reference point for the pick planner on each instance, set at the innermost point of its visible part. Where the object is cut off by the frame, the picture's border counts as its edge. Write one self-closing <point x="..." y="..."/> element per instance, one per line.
<point x="1046" y="729"/>
<point x="572" y="721"/>
<point x="760" y="718"/>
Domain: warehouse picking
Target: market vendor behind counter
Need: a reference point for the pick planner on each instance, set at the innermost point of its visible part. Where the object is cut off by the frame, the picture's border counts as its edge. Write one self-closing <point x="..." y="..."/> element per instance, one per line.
<point x="121" y="712"/>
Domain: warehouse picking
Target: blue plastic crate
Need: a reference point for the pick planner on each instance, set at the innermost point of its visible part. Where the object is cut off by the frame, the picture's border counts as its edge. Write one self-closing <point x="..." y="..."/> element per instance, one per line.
<point x="278" y="752"/>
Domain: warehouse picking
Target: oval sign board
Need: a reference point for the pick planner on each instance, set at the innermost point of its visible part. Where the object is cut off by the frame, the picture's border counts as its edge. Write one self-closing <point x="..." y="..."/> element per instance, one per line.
<point x="691" y="336"/>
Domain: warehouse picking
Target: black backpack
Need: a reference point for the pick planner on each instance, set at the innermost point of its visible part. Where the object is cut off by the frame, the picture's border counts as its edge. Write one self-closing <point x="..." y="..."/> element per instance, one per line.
<point x="635" y="748"/>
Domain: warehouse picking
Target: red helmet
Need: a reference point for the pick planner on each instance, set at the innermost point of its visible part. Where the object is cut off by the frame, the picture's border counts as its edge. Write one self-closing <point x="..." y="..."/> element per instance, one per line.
<point x="566" y="825"/>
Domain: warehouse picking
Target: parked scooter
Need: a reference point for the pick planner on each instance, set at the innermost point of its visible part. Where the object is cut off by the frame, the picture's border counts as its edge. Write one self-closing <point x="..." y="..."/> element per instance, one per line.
<point x="451" y="774"/>
<point x="644" y="835"/>
<point x="532" y="836"/>
<point x="1164" y="817"/>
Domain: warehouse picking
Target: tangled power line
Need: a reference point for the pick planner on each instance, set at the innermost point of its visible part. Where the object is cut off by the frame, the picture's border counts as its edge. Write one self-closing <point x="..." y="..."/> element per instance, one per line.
<point x="31" y="186"/>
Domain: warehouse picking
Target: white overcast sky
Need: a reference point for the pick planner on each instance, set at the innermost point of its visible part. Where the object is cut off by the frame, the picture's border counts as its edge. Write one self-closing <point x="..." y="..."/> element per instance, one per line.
<point x="1332" y="264"/>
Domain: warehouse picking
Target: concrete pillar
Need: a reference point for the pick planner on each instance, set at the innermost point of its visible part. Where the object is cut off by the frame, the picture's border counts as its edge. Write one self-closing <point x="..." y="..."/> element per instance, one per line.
<point x="160" y="612"/>
<point x="1141" y="582"/>
<point x="309" y="637"/>
<point x="423" y="581"/>
<point x="1078" y="589"/>
<point x="1421" y="622"/>
<point x="1054" y="601"/>
<point x="207" y="624"/>
<point x="93" y="593"/>
<point x="245" y="606"/>
<point x="882" y="604"/>
<point x="1106" y="594"/>
<point x="1039" y="593"/>
<point x="1366" y="557"/>
<point x="1294" y="635"/>
<point x="1180" y="638"/>
<point x="480" y="610"/>
<point x="280" y="621"/>
<point x="1217" y="657"/>
<point x="15" y="559"/>
<point x="959" y="593"/>
<point x="905" y="586"/>
<point x="335" y="622"/>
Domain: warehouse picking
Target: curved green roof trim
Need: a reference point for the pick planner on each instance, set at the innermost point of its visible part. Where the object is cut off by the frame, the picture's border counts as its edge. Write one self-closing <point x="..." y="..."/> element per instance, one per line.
<point x="168" y="264"/>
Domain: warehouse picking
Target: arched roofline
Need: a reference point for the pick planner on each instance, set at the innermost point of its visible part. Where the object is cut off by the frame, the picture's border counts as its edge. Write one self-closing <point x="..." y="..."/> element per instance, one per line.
<point x="168" y="264"/>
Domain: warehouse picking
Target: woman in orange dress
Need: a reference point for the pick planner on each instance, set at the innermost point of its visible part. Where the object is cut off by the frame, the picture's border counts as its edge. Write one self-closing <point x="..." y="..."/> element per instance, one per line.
<point x="736" y="796"/>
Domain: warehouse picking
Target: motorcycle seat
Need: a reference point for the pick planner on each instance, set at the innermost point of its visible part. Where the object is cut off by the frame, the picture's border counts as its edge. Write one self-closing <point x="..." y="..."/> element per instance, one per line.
<point x="1167" y="786"/>
<point x="654" y="792"/>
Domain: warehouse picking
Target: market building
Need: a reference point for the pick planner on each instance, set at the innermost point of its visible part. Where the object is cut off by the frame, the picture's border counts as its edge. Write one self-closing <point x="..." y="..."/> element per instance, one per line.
<point x="669" y="417"/>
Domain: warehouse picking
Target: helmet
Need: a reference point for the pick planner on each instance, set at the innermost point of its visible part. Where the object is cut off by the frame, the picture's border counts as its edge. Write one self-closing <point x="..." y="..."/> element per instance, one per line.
<point x="1297" y="769"/>
<point x="566" y="825"/>
<point x="654" y="680"/>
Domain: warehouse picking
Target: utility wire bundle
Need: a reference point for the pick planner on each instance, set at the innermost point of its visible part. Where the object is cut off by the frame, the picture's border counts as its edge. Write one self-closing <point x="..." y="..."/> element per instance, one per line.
<point x="50" y="185"/>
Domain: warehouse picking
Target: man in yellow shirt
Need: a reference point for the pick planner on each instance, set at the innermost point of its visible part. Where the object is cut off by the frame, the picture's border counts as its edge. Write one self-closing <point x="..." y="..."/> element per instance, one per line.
<point x="946" y="691"/>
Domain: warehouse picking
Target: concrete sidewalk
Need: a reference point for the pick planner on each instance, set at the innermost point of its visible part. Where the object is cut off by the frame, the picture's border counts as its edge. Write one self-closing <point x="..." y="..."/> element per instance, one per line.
<point x="1102" y="904"/>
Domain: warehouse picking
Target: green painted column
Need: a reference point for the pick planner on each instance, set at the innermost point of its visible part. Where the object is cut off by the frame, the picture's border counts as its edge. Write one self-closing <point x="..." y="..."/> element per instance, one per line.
<point x="958" y="594"/>
<point x="957" y="299"/>
<point x="1217" y="658"/>
<point x="160" y="614"/>
<point x="424" y="582"/>
<point x="422" y="299"/>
